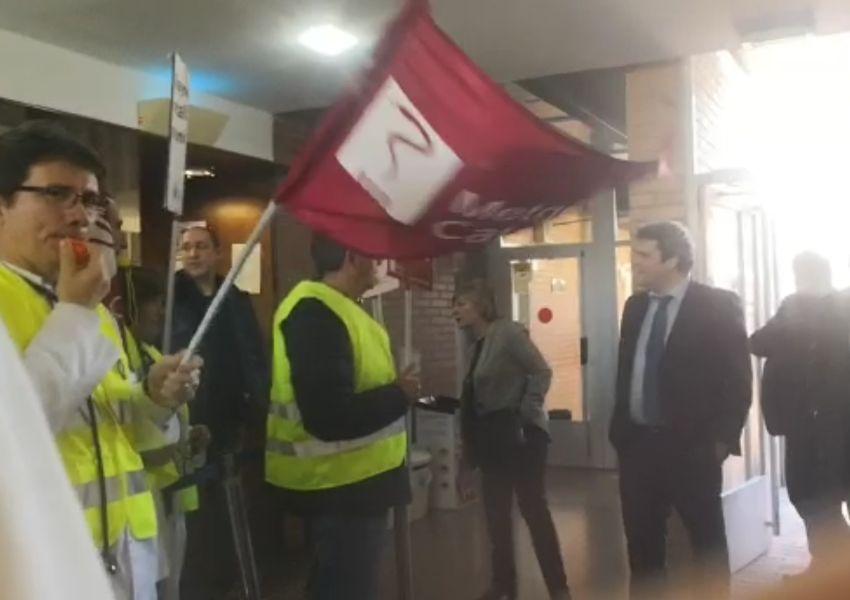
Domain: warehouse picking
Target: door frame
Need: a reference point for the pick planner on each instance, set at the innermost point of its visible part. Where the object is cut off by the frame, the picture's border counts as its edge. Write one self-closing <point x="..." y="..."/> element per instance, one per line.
<point x="580" y="443"/>
<point x="753" y="506"/>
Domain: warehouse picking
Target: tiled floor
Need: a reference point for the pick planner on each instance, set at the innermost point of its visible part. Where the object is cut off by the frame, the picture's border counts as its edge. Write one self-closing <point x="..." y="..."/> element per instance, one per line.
<point x="451" y="556"/>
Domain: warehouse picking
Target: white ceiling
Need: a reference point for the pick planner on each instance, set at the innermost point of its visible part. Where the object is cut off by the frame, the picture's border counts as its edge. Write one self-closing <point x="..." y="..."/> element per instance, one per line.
<point x="246" y="50"/>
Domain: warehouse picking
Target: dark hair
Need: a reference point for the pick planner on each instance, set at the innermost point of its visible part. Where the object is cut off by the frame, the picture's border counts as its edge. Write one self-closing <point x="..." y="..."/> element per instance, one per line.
<point x="210" y="232"/>
<point x="673" y="240"/>
<point x="813" y="264"/>
<point x="143" y="284"/>
<point x="481" y="295"/>
<point x="328" y="256"/>
<point x="37" y="142"/>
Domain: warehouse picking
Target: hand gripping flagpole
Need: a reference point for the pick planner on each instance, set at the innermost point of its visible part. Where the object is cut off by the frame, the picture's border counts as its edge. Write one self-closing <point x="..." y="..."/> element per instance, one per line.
<point x="235" y="269"/>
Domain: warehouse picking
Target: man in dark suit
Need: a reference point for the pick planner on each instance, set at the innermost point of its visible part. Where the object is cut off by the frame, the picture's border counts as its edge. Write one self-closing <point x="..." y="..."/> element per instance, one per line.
<point x="684" y="387"/>
<point x="804" y="396"/>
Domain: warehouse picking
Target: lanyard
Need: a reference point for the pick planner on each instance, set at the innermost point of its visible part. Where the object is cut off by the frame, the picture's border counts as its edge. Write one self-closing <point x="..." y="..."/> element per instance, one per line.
<point x="109" y="561"/>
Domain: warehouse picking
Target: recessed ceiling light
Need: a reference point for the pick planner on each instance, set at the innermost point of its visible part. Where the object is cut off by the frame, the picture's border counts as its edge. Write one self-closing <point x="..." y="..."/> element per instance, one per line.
<point x="196" y="173"/>
<point x="329" y="40"/>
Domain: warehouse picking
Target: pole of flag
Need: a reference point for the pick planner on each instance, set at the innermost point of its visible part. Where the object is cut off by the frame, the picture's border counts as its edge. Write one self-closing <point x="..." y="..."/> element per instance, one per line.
<point x="235" y="269"/>
<point x="404" y="554"/>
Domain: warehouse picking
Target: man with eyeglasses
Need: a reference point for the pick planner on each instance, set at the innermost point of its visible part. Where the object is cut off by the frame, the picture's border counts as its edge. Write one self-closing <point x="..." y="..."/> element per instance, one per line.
<point x="50" y="301"/>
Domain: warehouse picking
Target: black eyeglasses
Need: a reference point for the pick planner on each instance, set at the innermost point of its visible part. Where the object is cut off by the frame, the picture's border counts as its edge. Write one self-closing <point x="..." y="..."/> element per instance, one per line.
<point x="65" y="196"/>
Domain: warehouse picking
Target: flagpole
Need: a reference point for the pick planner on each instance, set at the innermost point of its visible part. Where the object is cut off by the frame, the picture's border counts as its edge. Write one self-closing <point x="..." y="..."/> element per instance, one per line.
<point x="404" y="555"/>
<point x="235" y="269"/>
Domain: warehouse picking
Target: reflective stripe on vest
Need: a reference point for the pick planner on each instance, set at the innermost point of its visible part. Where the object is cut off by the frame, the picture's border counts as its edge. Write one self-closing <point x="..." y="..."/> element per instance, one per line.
<point x="89" y="493"/>
<point x="314" y="448"/>
<point x="130" y="504"/>
<point x="294" y="458"/>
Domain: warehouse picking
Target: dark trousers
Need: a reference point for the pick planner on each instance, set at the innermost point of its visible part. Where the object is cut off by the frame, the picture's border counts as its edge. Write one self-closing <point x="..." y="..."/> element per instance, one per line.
<point x="210" y="572"/>
<point x="520" y="468"/>
<point x="347" y="553"/>
<point x="658" y="473"/>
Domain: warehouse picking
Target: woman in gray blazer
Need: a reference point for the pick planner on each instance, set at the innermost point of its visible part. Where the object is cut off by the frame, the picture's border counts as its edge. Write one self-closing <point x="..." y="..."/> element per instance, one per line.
<point x="506" y="433"/>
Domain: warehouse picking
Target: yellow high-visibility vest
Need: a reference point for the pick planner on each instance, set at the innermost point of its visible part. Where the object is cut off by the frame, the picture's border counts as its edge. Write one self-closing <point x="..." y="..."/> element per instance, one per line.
<point x="295" y="459"/>
<point x="128" y="499"/>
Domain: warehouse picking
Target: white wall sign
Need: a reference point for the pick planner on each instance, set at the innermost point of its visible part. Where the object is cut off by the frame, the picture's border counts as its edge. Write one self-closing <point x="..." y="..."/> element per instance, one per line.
<point x="250" y="278"/>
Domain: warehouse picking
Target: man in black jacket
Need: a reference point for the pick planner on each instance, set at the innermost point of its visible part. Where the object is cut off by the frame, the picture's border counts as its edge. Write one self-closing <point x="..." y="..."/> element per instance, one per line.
<point x="806" y="398"/>
<point x="684" y="386"/>
<point x="336" y="448"/>
<point x="232" y="396"/>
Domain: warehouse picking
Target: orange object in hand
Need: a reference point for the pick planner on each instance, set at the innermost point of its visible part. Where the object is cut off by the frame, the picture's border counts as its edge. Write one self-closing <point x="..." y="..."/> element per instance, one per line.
<point x="81" y="252"/>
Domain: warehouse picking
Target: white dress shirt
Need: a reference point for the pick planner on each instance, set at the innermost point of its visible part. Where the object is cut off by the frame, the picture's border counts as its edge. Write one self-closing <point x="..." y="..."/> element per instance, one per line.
<point x="677" y="294"/>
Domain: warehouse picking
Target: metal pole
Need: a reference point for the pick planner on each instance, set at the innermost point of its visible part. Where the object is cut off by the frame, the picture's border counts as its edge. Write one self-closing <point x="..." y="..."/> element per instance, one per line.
<point x="404" y="555"/>
<point x="240" y="528"/>
<point x="235" y="269"/>
<point x="169" y="295"/>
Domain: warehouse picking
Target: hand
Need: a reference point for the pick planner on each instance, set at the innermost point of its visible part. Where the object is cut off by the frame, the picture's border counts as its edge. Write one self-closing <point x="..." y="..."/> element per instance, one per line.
<point x="199" y="439"/>
<point x="409" y="383"/>
<point x="721" y="451"/>
<point x="171" y="384"/>
<point x="84" y="285"/>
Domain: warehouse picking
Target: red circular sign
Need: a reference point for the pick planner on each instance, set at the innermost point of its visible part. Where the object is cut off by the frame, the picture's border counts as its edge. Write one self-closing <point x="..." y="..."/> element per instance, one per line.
<point x="544" y="315"/>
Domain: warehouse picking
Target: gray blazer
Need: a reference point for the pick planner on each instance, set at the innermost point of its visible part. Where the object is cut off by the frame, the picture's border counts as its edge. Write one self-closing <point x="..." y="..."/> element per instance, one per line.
<point x="511" y="374"/>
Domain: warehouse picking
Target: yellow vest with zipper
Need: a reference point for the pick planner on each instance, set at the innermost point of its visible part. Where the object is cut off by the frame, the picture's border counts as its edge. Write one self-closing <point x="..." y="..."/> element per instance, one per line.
<point x="129" y="503"/>
<point x="161" y="476"/>
<point x="296" y="460"/>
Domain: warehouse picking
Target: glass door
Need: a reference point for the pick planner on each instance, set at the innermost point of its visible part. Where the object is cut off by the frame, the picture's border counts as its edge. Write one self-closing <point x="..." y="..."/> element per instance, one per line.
<point x="738" y="256"/>
<point x="547" y="300"/>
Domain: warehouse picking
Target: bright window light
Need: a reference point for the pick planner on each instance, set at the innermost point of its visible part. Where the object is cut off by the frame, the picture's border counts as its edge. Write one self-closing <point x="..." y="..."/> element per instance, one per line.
<point x="329" y="40"/>
<point x="799" y="126"/>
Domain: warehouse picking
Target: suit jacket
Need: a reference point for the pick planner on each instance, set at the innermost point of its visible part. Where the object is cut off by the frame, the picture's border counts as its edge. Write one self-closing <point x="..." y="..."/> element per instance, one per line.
<point x="805" y="391"/>
<point x="807" y="352"/>
<point x="511" y="374"/>
<point x="705" y="384"/>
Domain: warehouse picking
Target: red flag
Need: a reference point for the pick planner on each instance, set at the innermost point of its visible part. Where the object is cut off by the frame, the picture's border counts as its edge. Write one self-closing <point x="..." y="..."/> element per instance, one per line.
<point x="428" y="155"/>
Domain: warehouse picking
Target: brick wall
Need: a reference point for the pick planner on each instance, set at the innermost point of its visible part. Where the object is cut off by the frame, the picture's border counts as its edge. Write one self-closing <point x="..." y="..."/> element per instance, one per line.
<point x="719" y="87"/>
<point x="433" y="329"/>
<point x="655" y="117"/>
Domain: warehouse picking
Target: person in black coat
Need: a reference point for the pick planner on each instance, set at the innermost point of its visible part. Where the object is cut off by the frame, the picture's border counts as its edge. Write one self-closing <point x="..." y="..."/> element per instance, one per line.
<point x="232" y="400"/>
<point x="806" y="398"/>
<point x="684" y="387"/>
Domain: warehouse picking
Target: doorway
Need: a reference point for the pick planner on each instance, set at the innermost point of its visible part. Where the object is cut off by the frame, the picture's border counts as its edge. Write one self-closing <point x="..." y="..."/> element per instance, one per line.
<point x="738" y="255"/>
<point x="564" y="281"/>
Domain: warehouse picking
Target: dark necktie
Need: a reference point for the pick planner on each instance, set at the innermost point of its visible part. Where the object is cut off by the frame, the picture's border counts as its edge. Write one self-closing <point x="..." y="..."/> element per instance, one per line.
<point x="652" y="367"/>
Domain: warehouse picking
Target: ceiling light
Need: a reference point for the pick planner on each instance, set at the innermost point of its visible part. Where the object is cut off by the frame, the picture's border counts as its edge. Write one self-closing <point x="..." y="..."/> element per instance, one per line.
<point x="329" y="40"/>
<point x="196" y="173"/>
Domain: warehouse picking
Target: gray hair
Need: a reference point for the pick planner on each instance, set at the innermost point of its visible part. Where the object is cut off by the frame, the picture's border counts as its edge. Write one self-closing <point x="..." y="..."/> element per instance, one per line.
<point x="480" y="295"/>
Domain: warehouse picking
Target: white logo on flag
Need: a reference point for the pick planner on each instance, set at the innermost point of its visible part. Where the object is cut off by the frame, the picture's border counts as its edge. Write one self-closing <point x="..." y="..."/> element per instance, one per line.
<point x="395" y="154"/>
